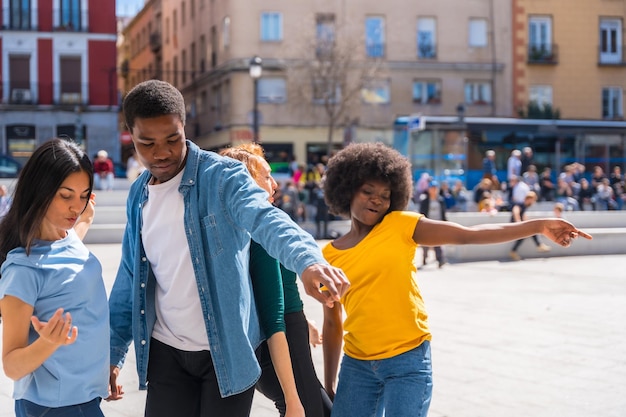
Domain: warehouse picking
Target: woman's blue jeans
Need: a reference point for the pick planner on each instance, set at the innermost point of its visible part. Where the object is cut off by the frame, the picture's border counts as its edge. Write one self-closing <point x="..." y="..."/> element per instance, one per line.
<point x="24" y="408"/>
<point x="400" y="386"/>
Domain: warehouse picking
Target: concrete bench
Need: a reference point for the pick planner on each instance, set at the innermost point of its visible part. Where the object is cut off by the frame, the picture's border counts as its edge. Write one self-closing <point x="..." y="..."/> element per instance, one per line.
<point x="100" y="233"/>
<point x="608" y="229"/>
<point x="582" y="219"/>
<point x="606" y="241"/>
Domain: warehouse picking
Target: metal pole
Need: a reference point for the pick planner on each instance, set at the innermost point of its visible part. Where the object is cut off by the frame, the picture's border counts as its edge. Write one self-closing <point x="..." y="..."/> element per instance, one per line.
<point x="255" y="113"/>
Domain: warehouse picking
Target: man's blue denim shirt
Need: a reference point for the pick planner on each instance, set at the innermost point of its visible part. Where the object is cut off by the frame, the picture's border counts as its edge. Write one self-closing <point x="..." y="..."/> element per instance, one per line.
<point x="224" y="208"/>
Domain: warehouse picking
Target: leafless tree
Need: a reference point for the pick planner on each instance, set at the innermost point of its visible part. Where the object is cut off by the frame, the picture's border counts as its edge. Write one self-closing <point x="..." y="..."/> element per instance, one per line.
<point x="329" y="80"/>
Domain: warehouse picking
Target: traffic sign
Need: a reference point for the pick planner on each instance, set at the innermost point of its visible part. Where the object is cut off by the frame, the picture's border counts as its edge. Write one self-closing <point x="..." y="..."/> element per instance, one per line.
<point x="416" y="122"/>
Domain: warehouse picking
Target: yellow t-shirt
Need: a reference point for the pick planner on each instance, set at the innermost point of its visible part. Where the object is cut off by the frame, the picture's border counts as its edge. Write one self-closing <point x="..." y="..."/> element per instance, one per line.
<point x="385" y="314"/>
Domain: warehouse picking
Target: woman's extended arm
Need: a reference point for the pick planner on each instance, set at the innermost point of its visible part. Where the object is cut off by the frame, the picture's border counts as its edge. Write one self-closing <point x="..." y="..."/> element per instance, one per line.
<point x="279" y="352"/>
<point x="435" y="233"/>
<point x="268" y="294"/>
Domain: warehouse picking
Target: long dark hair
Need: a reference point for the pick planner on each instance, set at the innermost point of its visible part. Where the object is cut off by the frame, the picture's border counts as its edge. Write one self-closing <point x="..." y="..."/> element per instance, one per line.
<point x="36" y="187"/>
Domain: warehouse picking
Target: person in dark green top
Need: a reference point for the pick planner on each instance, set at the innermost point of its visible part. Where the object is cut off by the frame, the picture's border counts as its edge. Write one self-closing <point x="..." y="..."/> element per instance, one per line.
<point x="280" y="310"/>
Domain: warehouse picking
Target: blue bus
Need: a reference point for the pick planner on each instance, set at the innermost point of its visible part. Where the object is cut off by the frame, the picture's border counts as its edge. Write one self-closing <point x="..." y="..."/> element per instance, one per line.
<point x="450" y="148"/>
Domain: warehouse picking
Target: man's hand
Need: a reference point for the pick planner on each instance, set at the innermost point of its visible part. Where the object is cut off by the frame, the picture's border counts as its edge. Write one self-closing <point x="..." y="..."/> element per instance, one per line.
<point x="333" y="279"/>
<point x="115" y="391"/>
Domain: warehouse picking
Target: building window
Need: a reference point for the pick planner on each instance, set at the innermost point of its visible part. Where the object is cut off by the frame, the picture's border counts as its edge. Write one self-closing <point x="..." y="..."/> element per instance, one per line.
<point x="201" y="103"/>
<point x="226" y="98"/>
<point x="183" y="64"/>
<point x="375" y="36"/>
<point x="477" y="37"/>
<point x="610" y="41"/>
<point x="271" y="27"/>
<point x="272" y="90"/>
<point x="168" y="72"/>
<point x="167" y="30"/>
<point x="477" y="92"/>
<point x="226" y="32"/>
<point x="540" y="38"/>
<point x="70" y="80"/>
<point x="192" y="54"/>
<point x="69" y="132"/>
<point x="19" y="79"/>
<point x="326" y="91"/>
<point x="183" y="14"/>
<point x="427" y="92"/>
<point x="175" y="71"/>
<point x="541" y="95"/>
<point x="214" y="45"/>
<point x="426" y="37"/>
<point x="216" y="106"/>
<point x="70" y="14"/>
<point x="21" y="142"/>
<point x="20" y="15"/>
<point x="202" y="54"/>
<point x="612" y="103"/>
<point x="376" y="92"/>
<point x="324" y="34"/>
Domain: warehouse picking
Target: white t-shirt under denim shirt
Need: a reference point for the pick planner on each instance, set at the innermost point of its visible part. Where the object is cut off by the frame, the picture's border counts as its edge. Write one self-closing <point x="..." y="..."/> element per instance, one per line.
<point x="179" y="321"/>
<point x="63" y="274"/>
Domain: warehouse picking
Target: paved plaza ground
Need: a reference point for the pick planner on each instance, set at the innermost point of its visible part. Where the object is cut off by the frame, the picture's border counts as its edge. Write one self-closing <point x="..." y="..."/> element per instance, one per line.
<point x="537" y="338"/>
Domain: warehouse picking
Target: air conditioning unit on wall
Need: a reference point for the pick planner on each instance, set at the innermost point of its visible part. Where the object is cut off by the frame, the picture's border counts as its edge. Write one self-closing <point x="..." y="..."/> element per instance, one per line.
<point x="21" y="96"/>
<point x="70" y="98"/>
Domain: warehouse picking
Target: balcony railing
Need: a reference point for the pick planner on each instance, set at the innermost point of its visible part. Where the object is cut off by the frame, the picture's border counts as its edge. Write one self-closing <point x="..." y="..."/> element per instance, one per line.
<point x="612" y="57"/>
<point x="65" y="96"/>
<point x="375" y="50"/>
<point x="427" y="50"/>
<point x="155" y="42"/>
<point x="544" y="53"/>
<point x="60" y="22"/>
<point x="21" y="96"/>
<point x="25" y="96"/>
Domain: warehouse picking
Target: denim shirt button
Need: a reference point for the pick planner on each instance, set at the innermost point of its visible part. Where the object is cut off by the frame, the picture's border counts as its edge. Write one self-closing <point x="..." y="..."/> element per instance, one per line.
<point x="143" y="342"/>
<point x="144" y="259"/>
<point x="143" y="285"/>
<point x="143" y="311"/>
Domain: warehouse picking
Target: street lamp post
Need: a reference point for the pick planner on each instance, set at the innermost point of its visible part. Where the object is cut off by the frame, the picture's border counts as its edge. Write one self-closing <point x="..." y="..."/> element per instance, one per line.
<point x="256" y="69"/>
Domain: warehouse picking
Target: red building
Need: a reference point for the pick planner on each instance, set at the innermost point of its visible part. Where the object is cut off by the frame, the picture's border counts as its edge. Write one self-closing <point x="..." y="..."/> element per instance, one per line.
<point x="58" y="75"/>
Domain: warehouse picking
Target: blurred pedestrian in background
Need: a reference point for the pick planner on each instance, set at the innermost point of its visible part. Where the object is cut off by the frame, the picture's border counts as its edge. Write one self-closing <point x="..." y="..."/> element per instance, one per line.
<point x="104" y="172"/>
<point x="5" y="200"/>
<point x="433" y="206"/>
<point x="518" y="214"/>
<point x="134" y="168"/>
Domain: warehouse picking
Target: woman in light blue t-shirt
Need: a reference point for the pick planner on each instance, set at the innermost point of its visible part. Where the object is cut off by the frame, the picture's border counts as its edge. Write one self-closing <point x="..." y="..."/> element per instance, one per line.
<point x="55" y="339"/>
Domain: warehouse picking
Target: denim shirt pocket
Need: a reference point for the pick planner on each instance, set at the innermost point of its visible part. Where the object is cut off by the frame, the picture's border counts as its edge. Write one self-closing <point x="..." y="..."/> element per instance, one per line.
<point x="211" y="234"/>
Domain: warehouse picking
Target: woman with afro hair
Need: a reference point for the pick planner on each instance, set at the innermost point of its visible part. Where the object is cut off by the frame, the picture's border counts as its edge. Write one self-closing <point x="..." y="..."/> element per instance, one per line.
<point x="387" y="363"/>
